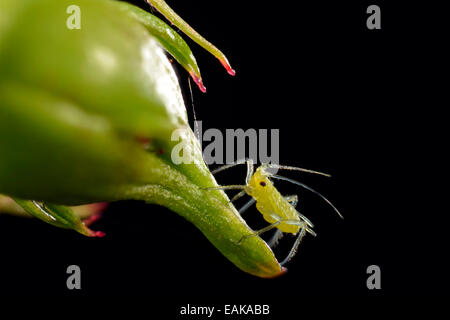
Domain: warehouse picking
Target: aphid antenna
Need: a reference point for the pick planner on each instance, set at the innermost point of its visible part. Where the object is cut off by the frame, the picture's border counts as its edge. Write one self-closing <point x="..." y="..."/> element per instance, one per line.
<point x="273" y="242"/>
<point x="230" y="187"/>
<point x="231" y="165"/>
<point x="310" y="189"/>
<point x="246" y="206"/>
<point x="277" y="166"/>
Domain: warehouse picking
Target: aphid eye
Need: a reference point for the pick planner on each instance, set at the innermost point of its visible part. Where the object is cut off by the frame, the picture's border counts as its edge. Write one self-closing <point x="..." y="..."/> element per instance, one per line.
<point x="262" y="183"/>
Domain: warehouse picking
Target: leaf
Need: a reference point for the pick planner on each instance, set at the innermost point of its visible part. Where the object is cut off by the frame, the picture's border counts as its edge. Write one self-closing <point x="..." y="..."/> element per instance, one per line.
<point x="168" y="38"/>
<point x="89" y="213"/>
<point x="58" y="216"/>
<point x="75" y="108"/>
<point x="173" y="17"/>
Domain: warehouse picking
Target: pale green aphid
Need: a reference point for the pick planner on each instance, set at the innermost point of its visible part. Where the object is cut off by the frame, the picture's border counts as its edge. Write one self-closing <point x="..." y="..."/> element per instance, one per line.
<point x="276" y="209"/>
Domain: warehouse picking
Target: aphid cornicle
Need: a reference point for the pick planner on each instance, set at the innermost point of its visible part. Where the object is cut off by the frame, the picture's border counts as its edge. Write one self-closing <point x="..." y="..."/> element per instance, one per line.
<point x="276" y="209"/>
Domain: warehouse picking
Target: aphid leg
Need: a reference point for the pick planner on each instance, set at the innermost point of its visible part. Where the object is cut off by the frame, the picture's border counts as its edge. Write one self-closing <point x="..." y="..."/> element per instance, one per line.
<point x="248" y="162"/>
<point x="227" y="166"/>
<point x="301" y="224"/>
<point x="238" y="196"/>
<point x="261" y="231"/>
<point x="247" y="205"/>
<point x="249" y="170"/>
<point x="305" y="219"/>
<point x="273" y="242"/>
<point x="293" y="200"/>
<point x="293" y="251"/>
<point x="230" y="187"/>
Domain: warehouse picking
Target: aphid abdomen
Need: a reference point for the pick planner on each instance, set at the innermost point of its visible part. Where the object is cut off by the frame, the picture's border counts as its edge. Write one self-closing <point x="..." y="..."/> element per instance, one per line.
<point x="274" y="203"/>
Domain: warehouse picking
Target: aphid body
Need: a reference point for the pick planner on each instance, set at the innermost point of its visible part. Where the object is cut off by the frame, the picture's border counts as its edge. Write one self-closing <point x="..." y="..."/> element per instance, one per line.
<point x="269" y="201"/>
<point x="276" y="209"/>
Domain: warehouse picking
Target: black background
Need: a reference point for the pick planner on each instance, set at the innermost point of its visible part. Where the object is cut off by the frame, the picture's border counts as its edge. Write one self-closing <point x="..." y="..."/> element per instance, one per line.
<point x="347" y="100"/>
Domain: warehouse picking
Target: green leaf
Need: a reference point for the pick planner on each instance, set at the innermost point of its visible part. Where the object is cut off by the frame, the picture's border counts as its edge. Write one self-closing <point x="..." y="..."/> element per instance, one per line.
<point x="173" y="17"/>
<point x="89" y="213"/>
<point x="168" y="38"/>
<point x="58" y="216"/>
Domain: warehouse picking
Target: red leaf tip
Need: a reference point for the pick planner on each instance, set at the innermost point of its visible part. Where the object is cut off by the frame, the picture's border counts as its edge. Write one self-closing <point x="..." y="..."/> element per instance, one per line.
<point x="92" y="219"/>
<point x="199" y="82"/>
<point x="231" y="72"/>
<point x="283" y="270"/>
<point x="99" y="234"/>
<point x="227" y="66"/>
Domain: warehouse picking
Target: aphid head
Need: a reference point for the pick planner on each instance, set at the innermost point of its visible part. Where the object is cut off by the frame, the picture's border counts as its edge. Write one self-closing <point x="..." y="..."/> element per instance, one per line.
<point x="260" y="179"/>
<point x="260" y="184"/>
<point x="265" y="170"/>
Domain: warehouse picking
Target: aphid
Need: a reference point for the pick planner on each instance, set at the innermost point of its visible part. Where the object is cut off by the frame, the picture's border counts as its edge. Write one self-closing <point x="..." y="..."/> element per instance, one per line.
<point x="276" y="209"/>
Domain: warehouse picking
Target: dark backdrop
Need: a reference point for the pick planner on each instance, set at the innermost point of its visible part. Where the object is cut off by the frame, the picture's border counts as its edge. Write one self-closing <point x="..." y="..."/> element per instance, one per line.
<point x="344" y="99"/>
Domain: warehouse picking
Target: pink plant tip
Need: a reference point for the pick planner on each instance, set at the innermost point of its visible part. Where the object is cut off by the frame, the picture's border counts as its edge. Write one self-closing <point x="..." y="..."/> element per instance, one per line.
<point x="99" y="234"/>
<point x="199" y="82"/>
<point x="227" y="66"/>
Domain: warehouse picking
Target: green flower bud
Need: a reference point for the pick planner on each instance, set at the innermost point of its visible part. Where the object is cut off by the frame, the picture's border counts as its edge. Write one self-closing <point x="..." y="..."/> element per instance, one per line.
<point x="75" y="106"/>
